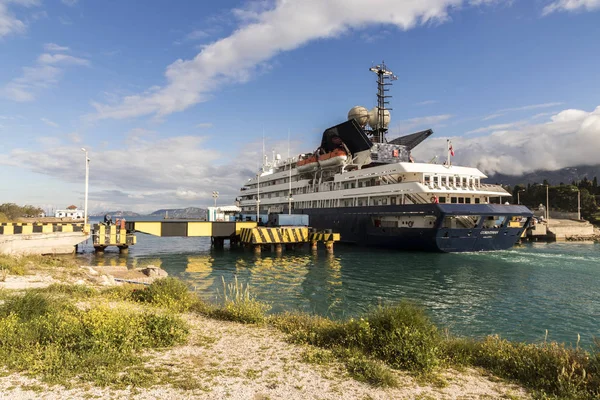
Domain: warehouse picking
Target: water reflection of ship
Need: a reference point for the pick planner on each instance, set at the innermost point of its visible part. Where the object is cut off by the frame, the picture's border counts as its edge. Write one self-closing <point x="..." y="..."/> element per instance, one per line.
<point x="322" y="286"/>
<point x="302" y="282"/>
<point x="201" y="275"/>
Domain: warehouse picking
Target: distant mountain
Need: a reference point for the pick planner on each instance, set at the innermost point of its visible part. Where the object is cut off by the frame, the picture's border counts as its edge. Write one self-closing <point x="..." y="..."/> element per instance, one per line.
<point x="565" y="175"/>
<point x="116" y="214"/>
<point x="190" y="212"/>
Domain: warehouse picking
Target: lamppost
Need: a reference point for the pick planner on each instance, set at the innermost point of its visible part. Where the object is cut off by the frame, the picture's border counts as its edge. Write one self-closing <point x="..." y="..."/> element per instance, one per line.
<point x="547" y="204"/>
<point x="578" y="204"/>
<point x="215" y="196"/>
<point x="518" y="196"/>
<point x="87" y="177"/>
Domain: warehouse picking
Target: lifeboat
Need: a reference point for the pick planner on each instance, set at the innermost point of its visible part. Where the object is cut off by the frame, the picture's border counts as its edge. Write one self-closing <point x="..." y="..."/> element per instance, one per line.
<point x="308" y="164"/>
<point x="333" y="159"/>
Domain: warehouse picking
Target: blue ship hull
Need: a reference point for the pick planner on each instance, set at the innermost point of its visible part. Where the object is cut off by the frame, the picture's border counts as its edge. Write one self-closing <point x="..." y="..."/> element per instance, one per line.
<point x="356" y="225"/>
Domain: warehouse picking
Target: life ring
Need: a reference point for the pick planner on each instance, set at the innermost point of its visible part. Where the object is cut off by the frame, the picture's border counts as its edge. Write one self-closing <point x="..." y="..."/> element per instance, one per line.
<point x="411" y="223"/>
<point x="434" y="200"/>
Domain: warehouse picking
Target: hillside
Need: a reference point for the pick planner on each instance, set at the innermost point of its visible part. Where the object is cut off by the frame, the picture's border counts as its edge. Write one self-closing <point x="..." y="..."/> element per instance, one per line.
<point x="116" y="214"/>
<point x="565" y="175"/>
<point x="189" y="212"/>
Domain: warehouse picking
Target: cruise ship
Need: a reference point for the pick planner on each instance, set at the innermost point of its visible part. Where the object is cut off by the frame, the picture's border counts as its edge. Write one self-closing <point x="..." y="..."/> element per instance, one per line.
<point x="372" y="192"/>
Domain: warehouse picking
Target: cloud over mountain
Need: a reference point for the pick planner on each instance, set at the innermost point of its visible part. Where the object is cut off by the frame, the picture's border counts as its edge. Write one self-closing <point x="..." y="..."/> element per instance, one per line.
<point x="570" y="137"/>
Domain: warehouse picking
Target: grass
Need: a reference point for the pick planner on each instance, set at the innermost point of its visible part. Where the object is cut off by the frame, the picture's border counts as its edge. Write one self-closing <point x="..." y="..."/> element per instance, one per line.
<point x="50" y="337"/>
<point x="24" y="264"/>
<point x="236" y="304"/>
<point x="43" y="333"/>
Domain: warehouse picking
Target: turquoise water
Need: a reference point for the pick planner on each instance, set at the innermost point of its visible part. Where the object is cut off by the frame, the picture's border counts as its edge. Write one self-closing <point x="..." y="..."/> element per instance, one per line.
<point x="517" y="294"/>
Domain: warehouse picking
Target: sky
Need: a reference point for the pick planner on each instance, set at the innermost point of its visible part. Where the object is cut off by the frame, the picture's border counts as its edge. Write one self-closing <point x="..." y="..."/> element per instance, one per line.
<point x="172" y="99"/>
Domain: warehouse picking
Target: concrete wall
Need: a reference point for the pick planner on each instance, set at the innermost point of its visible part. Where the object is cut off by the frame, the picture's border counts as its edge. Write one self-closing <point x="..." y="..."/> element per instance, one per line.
<point x="41" y="243"/>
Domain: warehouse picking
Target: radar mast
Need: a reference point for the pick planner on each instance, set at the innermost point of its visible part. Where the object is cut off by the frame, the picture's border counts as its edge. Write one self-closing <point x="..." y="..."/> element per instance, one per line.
<point x="384" y="78"/>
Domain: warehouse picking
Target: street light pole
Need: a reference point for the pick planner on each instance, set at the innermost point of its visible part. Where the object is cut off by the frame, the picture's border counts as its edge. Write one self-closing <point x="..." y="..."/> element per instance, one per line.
<point x="215" y="196"/>
<point x="579" y="205"/>
<point x="87" y="178"/>
<point x="547" y="204"/>
<point x="519" y="196"/>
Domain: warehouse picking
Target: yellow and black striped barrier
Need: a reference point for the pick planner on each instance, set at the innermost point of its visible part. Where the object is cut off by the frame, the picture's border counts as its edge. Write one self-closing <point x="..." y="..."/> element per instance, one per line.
<point x="324" y="237"/>
<point x="112" y="235"/>
<point x="289" y="236"/>
<point x="260" y="235"/>
<point x="26" y="228"/>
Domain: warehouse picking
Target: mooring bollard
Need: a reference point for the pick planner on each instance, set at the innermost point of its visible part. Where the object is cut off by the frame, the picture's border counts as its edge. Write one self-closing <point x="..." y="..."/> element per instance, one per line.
<point x="329" y="246"/>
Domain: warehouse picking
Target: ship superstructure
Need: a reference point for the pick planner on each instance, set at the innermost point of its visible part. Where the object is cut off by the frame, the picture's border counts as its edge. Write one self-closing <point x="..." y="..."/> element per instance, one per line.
<point x="370" y="190"/>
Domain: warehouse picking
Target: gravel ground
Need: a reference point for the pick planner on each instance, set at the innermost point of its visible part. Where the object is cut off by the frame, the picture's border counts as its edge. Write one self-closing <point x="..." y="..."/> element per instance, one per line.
<point x="224" y="360"/>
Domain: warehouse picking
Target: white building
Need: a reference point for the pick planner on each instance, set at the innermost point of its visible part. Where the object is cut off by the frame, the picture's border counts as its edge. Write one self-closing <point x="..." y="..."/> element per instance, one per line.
<point x="72" y="213"/>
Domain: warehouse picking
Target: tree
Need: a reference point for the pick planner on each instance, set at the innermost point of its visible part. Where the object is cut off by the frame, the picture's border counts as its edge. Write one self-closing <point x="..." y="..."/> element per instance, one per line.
<point x="13" y="211"/>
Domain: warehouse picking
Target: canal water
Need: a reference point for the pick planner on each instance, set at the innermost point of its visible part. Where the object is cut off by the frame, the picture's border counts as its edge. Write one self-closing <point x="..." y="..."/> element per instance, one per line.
<point x="518" y="293"/>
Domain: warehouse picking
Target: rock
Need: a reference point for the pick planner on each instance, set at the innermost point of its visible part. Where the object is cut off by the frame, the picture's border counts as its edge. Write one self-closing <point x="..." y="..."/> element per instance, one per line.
<point x="153" y="272"/>
<point x="80" y="282"/>
<point x="91" y="270"/>
<point x="107" y="280"/>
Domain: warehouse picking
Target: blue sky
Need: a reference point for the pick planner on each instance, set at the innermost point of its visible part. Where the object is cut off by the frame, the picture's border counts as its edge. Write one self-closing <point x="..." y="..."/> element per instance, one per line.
<point x="172" y="98"/>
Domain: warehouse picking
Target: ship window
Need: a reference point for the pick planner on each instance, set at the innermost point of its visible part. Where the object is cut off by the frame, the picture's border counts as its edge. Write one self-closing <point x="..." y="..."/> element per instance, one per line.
<point x="352" y="185"/>
<point x="385" y="201"/>
<point x="442" y="199"/>
<point x="461" y="200"/>
<point x="477" y="201"/>
<point x="468" y="200"/>
<point x="444" y="181"/>
<point x="427" y="179"/>
<point x="360" y="202"/>
<point x="464" y="182"/>
<point x="393" y="201"/>
<point x="359" y="184"/>
<point x="453" y="200"/>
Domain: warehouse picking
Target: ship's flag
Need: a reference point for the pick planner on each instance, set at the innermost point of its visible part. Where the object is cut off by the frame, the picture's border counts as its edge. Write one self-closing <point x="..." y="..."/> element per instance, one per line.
<point x="451" y="149"/>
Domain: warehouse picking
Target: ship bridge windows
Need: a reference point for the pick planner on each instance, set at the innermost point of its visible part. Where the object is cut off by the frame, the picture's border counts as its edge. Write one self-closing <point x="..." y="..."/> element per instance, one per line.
<point x="494" y="221"/>
<point x="427" y="180"/>
<point x="461" y="221"/>
<point x="444" y="181"/>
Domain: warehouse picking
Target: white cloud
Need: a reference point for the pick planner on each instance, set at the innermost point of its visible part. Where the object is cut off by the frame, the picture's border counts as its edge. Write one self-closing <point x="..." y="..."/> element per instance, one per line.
<point x="49" y="122"/>
<point x="64" y="59"/>
<point x="492" y="116"/>
<point x="496" y="128"/>
<point x="69" y="3"/>
<point x="9" y="23"/>
<point x="427" y="103"/>
<point x="205" y="125"/>
<point x="146" y="175"/>
<point x="571" y="5"/>
<point x="568" y="138"/>
<point x="45" y="73"/>
<point x="530" y="107"/>
<point x="268" y="29"/>
<point x="53" y="47"/>
<point x="197" y="35"/>
<point x="407" y="126"/>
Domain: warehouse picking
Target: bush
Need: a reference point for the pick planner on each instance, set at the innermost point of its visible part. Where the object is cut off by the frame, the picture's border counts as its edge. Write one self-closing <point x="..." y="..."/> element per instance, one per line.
<point x="44" y="336"/>
<point x="548" y="367"/>
<point x="170" y="293"/>
<point x="238" y="305"/>
<point x="400" y="335"/>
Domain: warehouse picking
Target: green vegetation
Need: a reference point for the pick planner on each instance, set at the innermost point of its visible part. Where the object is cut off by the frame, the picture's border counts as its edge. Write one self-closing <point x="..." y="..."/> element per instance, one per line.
<point x="170" y="293"/>
<point x="404" y="338"/>
<point x="50" y="337"/>
<point x="562" y="197"/>
<point x="237" y="305"/>
<point x="12" y="212"/>
<point x="44" y="333"/>
<point x="22" y="264"/>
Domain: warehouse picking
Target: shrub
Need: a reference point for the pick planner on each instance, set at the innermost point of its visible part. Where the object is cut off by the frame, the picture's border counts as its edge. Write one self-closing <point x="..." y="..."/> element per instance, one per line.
<point x="238" y="305"/>
<point x="401" y="335"/>
<point x="167" y="292"/>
